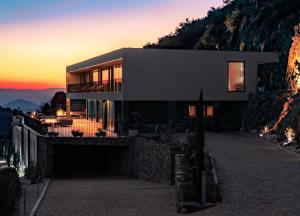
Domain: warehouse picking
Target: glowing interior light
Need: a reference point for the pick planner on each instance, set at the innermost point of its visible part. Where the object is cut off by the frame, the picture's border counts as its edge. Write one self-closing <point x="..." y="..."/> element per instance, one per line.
<point x="50" y="121"/>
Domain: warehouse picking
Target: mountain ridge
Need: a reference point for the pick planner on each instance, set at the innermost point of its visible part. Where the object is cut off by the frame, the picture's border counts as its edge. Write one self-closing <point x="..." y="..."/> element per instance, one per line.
<point x="33" y="95"/>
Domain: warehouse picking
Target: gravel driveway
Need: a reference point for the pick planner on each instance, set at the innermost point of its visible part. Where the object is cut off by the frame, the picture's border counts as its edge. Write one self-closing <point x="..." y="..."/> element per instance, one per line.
<point x="257" y="179"/>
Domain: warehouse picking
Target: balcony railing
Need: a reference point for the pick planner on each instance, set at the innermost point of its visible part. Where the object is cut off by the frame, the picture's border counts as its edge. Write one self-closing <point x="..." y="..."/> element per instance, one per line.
<point x="95" y="87"/>
<point x="64" y="126"/>
<point x="35" y="124"/>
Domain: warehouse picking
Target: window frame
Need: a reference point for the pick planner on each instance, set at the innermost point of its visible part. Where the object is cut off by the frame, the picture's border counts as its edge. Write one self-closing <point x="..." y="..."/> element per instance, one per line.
<point x="189" y="116"/>
<point x="213" y="111"/>
<point x="228" y="75"/>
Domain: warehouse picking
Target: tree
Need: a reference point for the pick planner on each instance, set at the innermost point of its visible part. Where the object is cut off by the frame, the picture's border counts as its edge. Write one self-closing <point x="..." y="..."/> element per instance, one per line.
<point x="59" y="100"/>
<point x="45" y="109"/>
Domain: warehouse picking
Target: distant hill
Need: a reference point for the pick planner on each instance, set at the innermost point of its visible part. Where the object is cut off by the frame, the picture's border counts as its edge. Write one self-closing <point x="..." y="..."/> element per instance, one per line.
<point x="243" y="25"/>
<point x="5" y="121"/>
<point x="36" y="96"/>
<point x="24" y="105"/>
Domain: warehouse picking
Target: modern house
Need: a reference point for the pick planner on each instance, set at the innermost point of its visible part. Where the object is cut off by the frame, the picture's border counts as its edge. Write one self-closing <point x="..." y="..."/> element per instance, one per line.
<point x="143" y="89"/>
<point x="133" y="87"/>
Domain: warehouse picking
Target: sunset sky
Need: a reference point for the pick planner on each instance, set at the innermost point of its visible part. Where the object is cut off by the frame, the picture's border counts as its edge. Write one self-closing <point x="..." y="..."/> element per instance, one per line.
<point x="38" y="39"/>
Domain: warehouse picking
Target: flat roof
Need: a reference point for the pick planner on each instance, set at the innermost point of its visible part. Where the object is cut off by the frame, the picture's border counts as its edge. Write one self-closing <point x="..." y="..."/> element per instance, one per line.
<point x="118" y="55"/>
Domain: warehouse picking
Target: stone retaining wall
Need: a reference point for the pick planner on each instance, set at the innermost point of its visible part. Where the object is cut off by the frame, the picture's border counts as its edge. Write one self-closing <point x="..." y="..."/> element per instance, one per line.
<point x="150" y="160"/>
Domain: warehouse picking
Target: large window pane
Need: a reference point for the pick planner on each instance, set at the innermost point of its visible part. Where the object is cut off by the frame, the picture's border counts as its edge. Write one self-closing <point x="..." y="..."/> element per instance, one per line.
<point x="118" y="73"/>
<point x="105" y="76"/>
<point x="95" y="75"/>
<point x="236" y="76"/>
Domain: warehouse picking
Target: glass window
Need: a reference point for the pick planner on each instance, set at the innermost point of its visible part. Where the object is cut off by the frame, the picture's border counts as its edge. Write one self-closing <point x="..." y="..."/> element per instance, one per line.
<point x="192" y="111"/>
<point x="209" y="111"/>
<point x="105" y="76"/>
<point x="118" y="73"/>
<point x="236" y="76"/>
<point x="95" y="75"/>
<point x="87" y="77"/>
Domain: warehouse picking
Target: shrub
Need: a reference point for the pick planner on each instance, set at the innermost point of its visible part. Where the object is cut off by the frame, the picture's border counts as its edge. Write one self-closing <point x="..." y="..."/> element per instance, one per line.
<point x="9" y="190"/>
<point x="34" y="173"/>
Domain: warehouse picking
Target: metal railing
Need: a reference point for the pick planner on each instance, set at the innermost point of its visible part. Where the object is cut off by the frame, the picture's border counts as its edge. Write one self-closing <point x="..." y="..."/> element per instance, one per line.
<point x="35" y="124"/>
<point x="115" y="86"/>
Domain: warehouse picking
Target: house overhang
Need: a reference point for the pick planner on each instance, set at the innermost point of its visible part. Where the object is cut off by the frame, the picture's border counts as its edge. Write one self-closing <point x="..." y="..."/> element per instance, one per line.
<point x="97" y="66"/>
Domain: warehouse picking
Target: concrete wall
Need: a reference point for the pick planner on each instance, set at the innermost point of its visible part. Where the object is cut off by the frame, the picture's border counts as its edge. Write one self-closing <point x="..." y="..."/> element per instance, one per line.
<point x="30" y="145"/>
<point x="27" y="144"/>
<point x="178" y="75"/>
<point x="17" y="138"/>
<point x="117" y="54"/>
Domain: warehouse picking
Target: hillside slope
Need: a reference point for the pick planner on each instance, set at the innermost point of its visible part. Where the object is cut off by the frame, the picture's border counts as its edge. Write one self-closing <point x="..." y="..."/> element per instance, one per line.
<point x="245" y="25"/>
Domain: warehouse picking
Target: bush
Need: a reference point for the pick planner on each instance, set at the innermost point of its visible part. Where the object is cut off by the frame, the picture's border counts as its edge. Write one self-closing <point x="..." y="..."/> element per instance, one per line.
<point x="9" y="190"/>
<point x="34" y="173"/>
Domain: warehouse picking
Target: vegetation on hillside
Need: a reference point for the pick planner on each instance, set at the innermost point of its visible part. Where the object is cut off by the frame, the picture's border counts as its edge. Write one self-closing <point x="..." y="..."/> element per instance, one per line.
<point x="244" y="25"/>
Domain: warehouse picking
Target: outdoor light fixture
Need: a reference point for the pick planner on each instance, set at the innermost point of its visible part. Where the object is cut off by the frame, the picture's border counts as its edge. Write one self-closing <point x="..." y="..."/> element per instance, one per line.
<point x="60" y="113"/>
<point x="33" y="114"/>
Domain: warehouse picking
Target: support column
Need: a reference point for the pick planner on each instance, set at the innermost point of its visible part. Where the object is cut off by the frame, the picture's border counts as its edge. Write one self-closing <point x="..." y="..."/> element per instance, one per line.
<point x="68" y="107"/>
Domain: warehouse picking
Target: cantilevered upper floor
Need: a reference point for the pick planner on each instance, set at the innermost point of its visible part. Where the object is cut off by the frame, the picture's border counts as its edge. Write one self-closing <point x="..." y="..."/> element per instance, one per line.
<point x="136" y="74"/>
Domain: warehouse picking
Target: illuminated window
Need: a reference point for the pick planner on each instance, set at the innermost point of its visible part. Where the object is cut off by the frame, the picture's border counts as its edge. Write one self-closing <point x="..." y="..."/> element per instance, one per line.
<point x="105" y="76"/>
<point x="236" y="76"/>
<point x="209" y="111"/>
<point x="95" y="75"/>
<point x="192" y="111"/>
<point x="118" y="73"/>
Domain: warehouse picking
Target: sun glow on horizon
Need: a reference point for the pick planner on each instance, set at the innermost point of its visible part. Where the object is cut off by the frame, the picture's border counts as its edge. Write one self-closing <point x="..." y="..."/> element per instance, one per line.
<point x="34" y="54"/>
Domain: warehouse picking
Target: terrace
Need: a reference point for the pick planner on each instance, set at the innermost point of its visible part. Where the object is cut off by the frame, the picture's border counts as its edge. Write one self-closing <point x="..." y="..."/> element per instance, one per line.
<point x="64" y="127"/>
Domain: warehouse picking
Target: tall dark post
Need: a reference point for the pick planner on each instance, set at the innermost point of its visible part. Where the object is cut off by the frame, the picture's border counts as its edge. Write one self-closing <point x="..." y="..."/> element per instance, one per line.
<point x="200" y="145"/>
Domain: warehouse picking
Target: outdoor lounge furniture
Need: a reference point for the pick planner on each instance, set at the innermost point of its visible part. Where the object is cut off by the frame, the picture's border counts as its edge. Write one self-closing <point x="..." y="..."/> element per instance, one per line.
<point x="65" y="122"/>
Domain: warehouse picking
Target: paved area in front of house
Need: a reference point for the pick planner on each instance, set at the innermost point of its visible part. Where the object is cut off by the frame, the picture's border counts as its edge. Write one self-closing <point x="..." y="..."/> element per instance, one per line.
<point x="107" y="197"/>
<point x="256" y="178"/>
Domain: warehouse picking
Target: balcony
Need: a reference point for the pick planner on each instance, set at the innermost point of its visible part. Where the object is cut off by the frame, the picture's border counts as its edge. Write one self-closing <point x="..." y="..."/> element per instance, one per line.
<point x="64" y="126"/>
<point x="115" y="86"/>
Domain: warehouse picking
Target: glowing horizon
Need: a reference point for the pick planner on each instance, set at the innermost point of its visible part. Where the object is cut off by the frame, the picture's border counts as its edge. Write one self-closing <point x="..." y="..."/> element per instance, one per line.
<point x="36" y="50"/>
